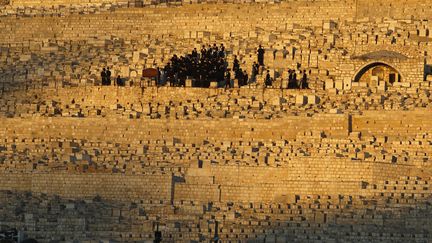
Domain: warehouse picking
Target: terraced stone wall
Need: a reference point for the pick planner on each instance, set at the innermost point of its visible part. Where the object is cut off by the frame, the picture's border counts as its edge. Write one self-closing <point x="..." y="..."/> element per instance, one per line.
<point x="115" y="187"/>
<point x="300" y="174"/>
<point x="51" y="51"/>
<point x="397" y="9"/>
<point x="360" y="9"/>
<point x="337" y="162"/>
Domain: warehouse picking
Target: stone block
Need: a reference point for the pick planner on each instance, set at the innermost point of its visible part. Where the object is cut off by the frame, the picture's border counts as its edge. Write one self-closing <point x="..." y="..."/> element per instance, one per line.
<point x="374" y="81"/>
<point x="124" y="71"/>
<point x="25" y="58"/>
<point x="277" y="101"/>
<point x="213" y="84"/>
<point x="347" y="67"/>
<point x="347" y="84"/>
<point x="382" y="86"/>
<point x="301" y="100"/>
<point x="313" y="99"/>
<point x="135" y="56"/>
<point x="335" y="111"/>
<point x="329" y="84"/>
<point x="405" y="84"/>
<point x="332" y="91"/>
<point x="339" y="85"/>
<point x="329" y="25"/>
<point x="236" y="83"/>
<point x="423" y="32"/>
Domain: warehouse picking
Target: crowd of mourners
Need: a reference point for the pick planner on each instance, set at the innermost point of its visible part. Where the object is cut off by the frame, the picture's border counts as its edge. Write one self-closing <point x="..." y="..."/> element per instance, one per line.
<point x="207" y="65"/>
<point x="210" y="64"/>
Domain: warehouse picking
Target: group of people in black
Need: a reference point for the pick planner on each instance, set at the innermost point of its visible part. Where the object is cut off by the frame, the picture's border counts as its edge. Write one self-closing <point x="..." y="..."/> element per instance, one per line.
<point x="294" y="83"/>
<point x="210" y="64"/>
<point x="106" y="78"/>
<point x="239" y="74"/>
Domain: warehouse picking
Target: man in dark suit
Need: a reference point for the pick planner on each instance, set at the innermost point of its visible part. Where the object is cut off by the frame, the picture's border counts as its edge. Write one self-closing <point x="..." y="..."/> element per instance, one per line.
<point x="103" y="76"/>
<point x="108" y="77"/>
<point x="260" y="56"/>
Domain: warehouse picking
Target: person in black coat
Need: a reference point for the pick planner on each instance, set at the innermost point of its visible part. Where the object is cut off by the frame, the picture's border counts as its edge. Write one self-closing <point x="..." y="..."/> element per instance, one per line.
<point x="108" y="77"/>
<point x="119" y="81"/>
<point x="203" y="52"/>
<point x="254" y="72"/>
<point x="268" y="81"/>
<point x="222" y="51"/>
<point x="290" y="79"/>
<point x="245" y="78"/>
<point x="194" y="54"/>
<point x="227" y="79"/>
<point x="236" y="64"/>
<point x="304" y="84"/>
<point x="103" y="76"/>
<point x="260" y="56"/>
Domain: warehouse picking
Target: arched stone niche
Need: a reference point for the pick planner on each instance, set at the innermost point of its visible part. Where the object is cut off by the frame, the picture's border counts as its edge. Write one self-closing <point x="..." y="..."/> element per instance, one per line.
<point x="386" y="66"/>
<point x="374" y="73"/>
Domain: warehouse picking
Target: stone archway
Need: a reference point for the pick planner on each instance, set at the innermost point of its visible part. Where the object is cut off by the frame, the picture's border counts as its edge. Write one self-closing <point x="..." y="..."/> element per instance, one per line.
<point x="375" y="72"/>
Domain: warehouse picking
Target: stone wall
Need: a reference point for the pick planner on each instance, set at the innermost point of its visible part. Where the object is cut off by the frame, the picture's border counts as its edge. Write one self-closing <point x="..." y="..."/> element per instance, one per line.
<point x="303" y="176"/>
<point x="399" y="9"/>
<point x="300" y="173"/>
<point x="46" y="49"/>
<point x="335" y="125"/>
<point x="402" y="124"/>
<point x="133" y="3"/>
<point x="39" y="3"/>
<point x="336" y="162"/>
<point x="256" y="178"/>
<point x="359" y="10"/>
<point x="111" y="187"/>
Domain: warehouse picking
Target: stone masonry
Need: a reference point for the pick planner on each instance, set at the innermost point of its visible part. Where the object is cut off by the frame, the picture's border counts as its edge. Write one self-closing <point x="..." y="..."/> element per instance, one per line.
<point x="344" y="161"/>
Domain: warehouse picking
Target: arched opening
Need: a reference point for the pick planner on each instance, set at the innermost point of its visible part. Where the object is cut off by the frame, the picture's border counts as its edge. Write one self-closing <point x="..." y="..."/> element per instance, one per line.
<point x="378" y="72"/>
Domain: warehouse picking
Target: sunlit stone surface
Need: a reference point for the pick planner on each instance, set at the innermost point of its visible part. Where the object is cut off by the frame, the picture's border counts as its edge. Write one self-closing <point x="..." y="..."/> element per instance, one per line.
<point x="347" y="160"/>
